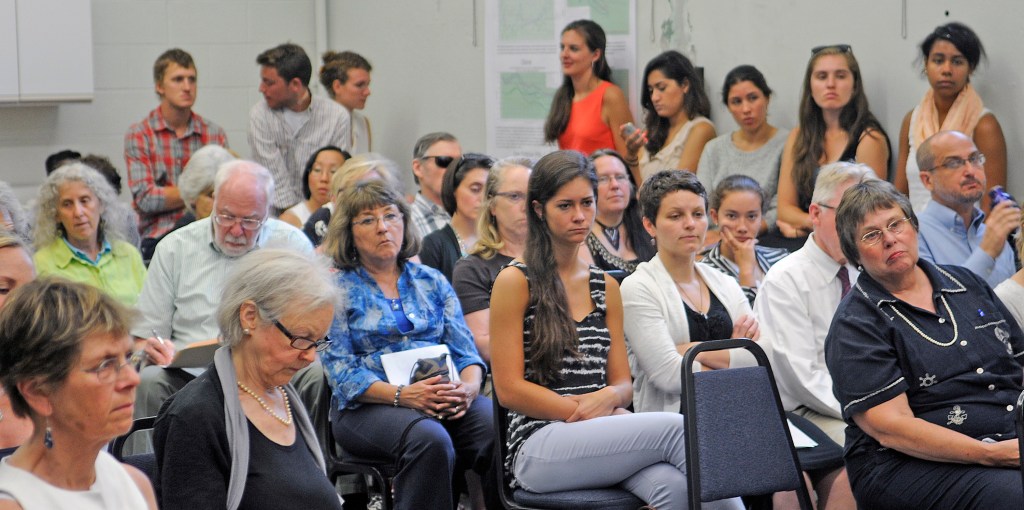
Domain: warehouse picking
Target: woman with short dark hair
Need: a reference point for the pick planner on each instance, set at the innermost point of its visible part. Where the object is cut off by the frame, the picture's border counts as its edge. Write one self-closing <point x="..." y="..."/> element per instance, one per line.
<point x="925" y="362"/>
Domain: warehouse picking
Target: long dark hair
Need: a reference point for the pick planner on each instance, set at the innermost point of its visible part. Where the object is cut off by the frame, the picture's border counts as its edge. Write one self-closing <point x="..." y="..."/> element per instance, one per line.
<point x="636" y="235"/>
<point x="855" y="118"/>
<point x="676" y="66"/>
<point x="561" y="104"/>
<point x="553" y="332"/>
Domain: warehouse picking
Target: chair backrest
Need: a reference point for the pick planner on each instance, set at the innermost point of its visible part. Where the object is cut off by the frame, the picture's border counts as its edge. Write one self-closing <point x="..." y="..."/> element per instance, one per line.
<point x="500" y="451"/>
<point x="738" y="440"/>
<point x="145" y="462"/>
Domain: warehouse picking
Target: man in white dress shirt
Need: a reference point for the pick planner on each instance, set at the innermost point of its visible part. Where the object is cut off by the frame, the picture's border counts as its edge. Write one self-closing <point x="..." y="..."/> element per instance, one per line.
<point x="183" y="285"/>
<point x="798" y="298"/>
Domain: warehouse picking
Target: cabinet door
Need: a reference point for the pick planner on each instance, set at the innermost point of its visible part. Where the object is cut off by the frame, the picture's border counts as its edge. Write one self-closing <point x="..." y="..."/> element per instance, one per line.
<point x="8" y="52"/>
<point x="54" y="50"/>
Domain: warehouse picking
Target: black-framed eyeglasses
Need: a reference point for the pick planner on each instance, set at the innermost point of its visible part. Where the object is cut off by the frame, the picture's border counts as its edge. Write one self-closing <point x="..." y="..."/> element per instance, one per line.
<point x="303" y="343"/>
<point x="109" y="369"/>
<point x="441" y="161"/>
<point x="873" y="237"/>
<point x="227" y="220"/>
<point x="475" y="160"/>
<point x="513" y="196"/>
<point x="956" y="163"/>
<point x="843" y="48"/>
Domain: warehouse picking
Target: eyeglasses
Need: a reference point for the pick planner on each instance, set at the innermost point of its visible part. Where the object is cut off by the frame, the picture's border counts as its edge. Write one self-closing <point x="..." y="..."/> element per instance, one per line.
<point x="955" y="163"/>
<point x="843" y="48"/>
<point x="303" y="343"/>
<point x="227" y="220"/>
<point x="874" y="237"/>
<point x="619" y="178"/>
<point x="108" y="369"/>
<point x="391" y="219"/>
<point x="513" y="196"/>
<point x="441" y="161"/>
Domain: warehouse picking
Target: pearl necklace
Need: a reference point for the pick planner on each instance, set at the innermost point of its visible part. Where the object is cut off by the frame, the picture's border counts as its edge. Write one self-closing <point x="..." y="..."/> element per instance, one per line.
<point x="287" y="420"/>
<point x="956" y="330"/>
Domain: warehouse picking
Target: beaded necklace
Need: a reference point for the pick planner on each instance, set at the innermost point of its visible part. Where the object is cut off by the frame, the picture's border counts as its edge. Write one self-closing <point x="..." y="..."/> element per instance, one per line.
<point x="287" y="420"/>
<point x="952" y="318"/>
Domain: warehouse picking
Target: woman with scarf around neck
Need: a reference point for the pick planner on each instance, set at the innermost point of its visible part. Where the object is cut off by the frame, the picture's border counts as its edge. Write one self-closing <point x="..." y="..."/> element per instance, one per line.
<point x="951" y="55"/>
<point x="237" y="436"/>
<point x="617" y="241"/>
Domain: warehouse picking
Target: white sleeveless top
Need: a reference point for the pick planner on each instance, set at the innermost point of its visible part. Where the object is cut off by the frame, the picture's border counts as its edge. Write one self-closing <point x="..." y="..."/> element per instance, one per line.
<point x="668" y="157"/>
<point x="114" y="489"/>
<point x="919" y="195"/>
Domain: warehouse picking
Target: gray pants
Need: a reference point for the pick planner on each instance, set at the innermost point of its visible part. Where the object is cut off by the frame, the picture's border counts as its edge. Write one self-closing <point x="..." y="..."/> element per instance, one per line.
<point x="644" y="453"/>
<point x="834" y="427"/>
<point x="156" y="385"/>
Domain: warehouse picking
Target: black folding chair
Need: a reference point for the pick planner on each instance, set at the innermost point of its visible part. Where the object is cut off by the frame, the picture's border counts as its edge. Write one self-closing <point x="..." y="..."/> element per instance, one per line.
<point x="146" y="462"/>
<point x="611" y="498"/>
<point x="737" y="439"/>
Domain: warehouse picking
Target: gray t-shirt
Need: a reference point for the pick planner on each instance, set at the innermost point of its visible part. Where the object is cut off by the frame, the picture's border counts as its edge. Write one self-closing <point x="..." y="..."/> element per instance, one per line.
<point x="721" y="159"/>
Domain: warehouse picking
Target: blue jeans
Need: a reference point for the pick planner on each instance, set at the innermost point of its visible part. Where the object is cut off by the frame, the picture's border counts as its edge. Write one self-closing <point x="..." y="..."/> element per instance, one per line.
<point x="424" y="449"/>
<point x="644" y="453"/>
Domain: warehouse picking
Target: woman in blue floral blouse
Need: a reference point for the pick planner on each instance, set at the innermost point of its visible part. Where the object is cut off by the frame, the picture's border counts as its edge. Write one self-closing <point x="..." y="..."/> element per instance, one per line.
<point x="395" y="305"/>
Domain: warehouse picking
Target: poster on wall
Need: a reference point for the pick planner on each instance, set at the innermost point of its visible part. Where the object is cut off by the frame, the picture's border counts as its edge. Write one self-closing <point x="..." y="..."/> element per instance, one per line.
<point x="523" y="67"/>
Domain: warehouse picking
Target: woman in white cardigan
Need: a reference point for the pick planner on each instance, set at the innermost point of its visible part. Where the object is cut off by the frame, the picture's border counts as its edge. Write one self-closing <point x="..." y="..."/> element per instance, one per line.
<point x="672" y="293"/>
<point x="672" y="302"/>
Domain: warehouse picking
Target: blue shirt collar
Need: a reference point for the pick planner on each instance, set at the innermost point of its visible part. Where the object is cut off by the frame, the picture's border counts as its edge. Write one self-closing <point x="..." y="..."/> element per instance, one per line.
<point x="84" y="257"/>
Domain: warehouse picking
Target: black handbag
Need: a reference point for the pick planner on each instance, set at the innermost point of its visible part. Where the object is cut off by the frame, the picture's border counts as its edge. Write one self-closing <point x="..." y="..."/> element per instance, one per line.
<point x="425" y="368"/>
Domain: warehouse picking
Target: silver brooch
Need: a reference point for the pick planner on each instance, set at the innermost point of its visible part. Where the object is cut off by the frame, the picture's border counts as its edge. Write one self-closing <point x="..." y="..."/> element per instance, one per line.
<point x="957" y="416"/>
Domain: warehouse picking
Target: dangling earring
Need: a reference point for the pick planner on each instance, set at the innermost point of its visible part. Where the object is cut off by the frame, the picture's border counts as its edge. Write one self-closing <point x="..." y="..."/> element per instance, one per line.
<point x="48" y="437"/>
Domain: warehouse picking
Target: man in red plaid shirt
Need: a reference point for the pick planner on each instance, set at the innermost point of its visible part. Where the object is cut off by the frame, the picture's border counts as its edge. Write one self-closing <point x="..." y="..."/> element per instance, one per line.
<point x="157" y="148"/>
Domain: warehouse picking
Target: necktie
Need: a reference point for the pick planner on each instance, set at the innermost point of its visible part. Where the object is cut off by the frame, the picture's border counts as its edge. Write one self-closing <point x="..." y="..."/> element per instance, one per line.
<point x="844" y="278"/>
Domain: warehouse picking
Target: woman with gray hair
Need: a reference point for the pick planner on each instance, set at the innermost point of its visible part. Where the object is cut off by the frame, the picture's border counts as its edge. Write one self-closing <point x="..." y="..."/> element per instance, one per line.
<point x="196" y="182"/>
<point x="237" y="436"/>
<point x="925" y="362"/>
<point x="12" y="217"/>
<point x="79" y="233"/>
<point x="67" y="364"/>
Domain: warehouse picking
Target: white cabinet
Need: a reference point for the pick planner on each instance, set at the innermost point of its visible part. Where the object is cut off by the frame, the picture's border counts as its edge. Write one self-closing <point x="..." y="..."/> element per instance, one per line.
<point x="45" y="51"/>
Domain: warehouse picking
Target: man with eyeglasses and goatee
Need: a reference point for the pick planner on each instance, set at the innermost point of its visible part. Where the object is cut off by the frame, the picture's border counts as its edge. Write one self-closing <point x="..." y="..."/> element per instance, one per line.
<point x="431" y="155"/>
<point x="185" y="279"/>
<point x="953" y="230"/>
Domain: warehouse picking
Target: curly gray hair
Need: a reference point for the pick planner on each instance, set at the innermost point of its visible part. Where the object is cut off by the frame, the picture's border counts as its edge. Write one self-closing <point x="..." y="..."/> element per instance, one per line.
<point x="11" y="210"/>
<point x="112" y="220"/>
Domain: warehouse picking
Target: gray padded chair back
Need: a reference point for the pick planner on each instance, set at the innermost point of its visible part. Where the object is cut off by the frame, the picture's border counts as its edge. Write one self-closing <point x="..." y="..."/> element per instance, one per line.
<point x="737" y="434"/>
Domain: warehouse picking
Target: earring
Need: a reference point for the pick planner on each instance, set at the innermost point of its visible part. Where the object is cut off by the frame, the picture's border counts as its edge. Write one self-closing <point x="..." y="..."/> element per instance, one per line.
<point x="246" y="332"/>
<point x="48" y="437"/>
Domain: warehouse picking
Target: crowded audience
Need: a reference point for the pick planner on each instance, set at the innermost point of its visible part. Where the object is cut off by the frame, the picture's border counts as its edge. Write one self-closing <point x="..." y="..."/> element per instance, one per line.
<point x="891" y="313"/>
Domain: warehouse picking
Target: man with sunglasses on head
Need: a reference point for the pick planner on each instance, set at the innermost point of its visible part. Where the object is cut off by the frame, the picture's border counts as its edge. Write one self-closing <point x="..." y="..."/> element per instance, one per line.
<point x="953" y="230"/>
<point x="431" y="155"/>
<point x="185" y="279"/>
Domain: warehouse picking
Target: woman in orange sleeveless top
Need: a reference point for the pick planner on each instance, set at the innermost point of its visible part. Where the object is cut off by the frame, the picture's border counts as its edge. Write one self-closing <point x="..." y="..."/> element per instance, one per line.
<point x="588" y="109"/>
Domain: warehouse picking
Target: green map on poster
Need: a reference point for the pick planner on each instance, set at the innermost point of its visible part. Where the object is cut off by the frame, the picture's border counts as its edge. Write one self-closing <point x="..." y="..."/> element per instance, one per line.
<point x="525" y="95"/>
<point x="612" y="15"/>
<point x="526" y="20"/>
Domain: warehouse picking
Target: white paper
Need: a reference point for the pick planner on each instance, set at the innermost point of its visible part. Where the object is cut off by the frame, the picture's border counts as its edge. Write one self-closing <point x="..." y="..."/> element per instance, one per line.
<point x="522" y="68"/>
<point x="800" y="440"/>
<point x="398" y="365"/>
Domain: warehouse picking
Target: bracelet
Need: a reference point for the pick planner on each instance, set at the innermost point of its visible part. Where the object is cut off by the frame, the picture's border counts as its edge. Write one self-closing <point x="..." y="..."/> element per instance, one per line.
<point x="631" y="161"/>
<point x="397" y="393"/>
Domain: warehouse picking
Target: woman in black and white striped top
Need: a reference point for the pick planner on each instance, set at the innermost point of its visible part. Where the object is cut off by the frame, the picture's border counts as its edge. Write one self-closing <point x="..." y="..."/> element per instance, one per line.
<point x="559" y="358"/>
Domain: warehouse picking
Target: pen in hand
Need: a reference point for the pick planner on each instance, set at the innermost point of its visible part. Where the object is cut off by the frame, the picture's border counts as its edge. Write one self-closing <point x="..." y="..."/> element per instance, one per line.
<point x="158" y="337"/>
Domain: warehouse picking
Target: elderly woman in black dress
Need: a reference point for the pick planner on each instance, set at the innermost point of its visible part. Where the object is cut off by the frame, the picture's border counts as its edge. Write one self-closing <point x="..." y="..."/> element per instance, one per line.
<point x="925" y="361"/>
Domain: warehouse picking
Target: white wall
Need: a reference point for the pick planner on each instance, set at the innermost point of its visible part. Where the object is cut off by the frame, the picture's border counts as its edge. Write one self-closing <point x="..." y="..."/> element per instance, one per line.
<point x="428" y="75"/>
